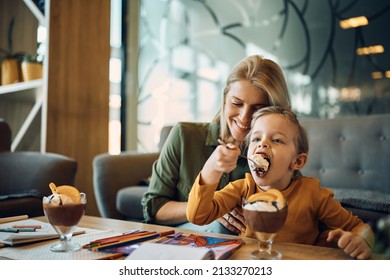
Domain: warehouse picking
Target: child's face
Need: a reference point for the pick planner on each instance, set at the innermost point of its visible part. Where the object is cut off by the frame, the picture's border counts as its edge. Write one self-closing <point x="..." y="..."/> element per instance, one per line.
<point x="274" y="136"/>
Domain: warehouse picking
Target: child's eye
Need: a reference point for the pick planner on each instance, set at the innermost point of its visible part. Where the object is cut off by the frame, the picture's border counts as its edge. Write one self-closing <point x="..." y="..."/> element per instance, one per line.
<point x="255" y="139"/>
<point x="277" y="140"/>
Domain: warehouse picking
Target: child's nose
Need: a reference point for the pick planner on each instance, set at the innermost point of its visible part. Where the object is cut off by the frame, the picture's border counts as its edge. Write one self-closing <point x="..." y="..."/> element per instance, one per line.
<point x="263" y="144"/>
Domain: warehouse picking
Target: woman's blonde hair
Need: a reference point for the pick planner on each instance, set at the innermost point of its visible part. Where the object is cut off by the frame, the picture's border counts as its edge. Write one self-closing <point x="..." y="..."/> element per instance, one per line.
<point x="264" y="74"/>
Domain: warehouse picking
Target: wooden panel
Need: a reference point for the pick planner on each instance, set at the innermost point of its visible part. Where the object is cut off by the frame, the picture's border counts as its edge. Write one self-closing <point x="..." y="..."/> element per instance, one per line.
<point x="78" y="85"/>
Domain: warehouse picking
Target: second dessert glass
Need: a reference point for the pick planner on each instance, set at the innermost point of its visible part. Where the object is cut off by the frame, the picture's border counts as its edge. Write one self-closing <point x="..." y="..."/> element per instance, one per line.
<point x="64" y="219"/>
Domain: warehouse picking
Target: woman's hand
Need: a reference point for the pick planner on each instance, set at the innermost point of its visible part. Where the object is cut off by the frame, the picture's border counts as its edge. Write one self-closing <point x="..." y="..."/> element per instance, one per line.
<point x="222" y="160"/>
<point x="352" y="244"/>
<point x="234" y="221"/>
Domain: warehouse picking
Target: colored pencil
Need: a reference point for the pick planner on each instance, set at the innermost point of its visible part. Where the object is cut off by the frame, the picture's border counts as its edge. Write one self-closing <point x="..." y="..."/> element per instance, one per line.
<point x="13" y="219"/>
<point x="131" y="240"/>
<point x="114" y="239"/>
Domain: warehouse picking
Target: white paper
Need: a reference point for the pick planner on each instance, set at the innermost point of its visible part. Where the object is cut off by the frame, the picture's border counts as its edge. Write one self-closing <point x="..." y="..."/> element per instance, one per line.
<point x="158" y="251"/>
<point x="41" y="250"/>
<point x="45" y="232"/>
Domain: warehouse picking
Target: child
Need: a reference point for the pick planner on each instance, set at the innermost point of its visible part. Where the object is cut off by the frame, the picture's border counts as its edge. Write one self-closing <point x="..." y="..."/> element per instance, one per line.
<point x="277" y="135"/>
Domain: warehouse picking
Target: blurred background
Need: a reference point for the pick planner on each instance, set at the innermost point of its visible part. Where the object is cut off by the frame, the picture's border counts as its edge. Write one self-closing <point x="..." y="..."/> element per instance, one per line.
<point x="186" y="48"/>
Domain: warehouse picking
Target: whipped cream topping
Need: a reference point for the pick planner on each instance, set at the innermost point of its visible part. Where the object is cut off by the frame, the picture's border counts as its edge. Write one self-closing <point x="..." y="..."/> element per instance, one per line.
<point x="261" y="206"/>
<point x="260" y="161"/>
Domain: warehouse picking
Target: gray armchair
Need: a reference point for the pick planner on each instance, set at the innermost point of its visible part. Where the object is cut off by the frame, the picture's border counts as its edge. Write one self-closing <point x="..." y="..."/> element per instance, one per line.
<point x="120" y="181"/>
<point x="25" y="177"/>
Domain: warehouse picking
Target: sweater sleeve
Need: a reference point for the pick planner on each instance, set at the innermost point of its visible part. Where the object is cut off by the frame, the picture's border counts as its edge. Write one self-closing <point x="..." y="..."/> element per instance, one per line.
<point x="336" y="216"/>
<point x="205" y="205"/>
<point x="199" y="199"/>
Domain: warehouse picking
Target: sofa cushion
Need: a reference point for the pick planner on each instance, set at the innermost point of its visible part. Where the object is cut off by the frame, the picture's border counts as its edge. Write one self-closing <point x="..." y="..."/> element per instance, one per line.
<point x="363" y="199"/>
<point x="128" y="202"/>
<point x="351" y="156"/>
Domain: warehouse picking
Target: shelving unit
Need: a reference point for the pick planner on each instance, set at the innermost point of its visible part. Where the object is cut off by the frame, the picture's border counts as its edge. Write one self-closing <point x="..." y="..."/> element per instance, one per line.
<point x="68" y="109"/>
<point x="26" y="92"/>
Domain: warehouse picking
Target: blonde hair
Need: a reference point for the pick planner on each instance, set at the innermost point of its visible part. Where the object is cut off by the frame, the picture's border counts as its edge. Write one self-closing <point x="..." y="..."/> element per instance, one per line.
<point x="264" y="74"/>
<point x="301" y="140"/>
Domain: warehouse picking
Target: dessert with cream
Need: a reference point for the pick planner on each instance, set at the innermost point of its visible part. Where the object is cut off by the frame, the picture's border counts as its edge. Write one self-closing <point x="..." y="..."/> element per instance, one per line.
<point x="266" y="212"/>
<point x="64" y="207"/>
<point x="262" y="164"/>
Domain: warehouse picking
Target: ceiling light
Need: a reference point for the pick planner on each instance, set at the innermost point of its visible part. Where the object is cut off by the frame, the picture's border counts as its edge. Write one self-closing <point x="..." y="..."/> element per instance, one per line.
<point x="370" y="50"/>
<point x="353" y="22"/>
<point x="377" y="75"/>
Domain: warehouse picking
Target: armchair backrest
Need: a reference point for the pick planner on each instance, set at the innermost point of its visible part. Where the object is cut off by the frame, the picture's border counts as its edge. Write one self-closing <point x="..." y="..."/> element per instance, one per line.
<point x="112" y="173"/>
<point x="25" y="176"/>
<point x="25" y="179"/>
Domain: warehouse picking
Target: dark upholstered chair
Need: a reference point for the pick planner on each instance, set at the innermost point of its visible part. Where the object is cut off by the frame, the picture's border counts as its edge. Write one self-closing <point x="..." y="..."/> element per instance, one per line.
<point x="121" y="180"/>
<point x="25" y="177"/>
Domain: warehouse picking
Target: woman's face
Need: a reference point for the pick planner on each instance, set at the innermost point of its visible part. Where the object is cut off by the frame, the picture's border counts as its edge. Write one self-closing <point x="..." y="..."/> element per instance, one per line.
<point x="242" y="100"/>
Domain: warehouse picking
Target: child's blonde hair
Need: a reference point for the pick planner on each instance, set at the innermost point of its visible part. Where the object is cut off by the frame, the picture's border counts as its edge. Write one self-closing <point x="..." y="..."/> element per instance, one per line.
<point x="301" y="140"/>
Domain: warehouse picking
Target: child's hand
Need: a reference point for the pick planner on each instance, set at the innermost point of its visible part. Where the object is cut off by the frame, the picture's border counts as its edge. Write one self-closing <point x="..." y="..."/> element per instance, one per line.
<point x="351" y="243"/>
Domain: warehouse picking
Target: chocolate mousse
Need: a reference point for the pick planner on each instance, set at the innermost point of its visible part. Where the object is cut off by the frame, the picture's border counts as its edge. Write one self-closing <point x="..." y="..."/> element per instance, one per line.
<point x="262" y="221"/>
<point x="64" y="215"/>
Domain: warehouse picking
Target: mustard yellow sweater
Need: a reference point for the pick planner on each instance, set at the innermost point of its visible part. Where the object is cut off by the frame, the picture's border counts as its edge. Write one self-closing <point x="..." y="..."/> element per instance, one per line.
<point x="308" y="204"/>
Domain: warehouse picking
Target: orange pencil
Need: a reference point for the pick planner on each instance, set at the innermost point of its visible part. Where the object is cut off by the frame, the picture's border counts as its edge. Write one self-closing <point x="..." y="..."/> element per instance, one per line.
<point x="114" y="256"/>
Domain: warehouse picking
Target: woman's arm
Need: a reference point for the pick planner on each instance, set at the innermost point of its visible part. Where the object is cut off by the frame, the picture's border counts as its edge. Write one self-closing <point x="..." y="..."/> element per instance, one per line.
<point x="172" y="212"/>
<point x="181" y="159"/>
<point x="164" y="179"/>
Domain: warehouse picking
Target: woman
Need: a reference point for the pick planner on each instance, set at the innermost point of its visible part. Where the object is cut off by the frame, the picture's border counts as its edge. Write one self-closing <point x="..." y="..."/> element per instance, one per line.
<point x="193" y="147"/>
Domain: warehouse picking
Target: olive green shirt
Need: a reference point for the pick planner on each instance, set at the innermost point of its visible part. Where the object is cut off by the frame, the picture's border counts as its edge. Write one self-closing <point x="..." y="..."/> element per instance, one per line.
<point x="183" y="156"/>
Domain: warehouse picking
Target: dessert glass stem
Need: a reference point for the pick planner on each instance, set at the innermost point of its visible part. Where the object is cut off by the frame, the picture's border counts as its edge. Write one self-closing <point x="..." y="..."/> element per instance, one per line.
<point x="265" y="251"/>
<point x="265" y="246"/>
<point x="65" y="244"/>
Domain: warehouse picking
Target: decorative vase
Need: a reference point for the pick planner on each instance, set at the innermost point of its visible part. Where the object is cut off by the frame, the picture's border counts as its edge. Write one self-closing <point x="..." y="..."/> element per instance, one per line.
<point x="31" y="70"/>
<point x="10" y="72"/>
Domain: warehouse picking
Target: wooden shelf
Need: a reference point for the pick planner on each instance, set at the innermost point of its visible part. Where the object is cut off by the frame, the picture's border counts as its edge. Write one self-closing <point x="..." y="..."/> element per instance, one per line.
<point x="22" y="86"/>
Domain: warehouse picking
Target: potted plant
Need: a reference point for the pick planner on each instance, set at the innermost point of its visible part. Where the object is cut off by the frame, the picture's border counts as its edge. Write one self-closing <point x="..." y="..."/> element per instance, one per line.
<point x="32" y="67"/>
<point x="10" y="61"/>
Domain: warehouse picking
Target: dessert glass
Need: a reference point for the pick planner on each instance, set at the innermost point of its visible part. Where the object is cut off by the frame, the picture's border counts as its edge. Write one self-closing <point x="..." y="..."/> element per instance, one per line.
<point x="64" y="219"/>
<point x="264" y="225"/>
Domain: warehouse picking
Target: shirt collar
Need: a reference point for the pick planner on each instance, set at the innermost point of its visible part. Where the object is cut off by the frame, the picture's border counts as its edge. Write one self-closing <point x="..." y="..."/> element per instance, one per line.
<point x="213" y="134"/>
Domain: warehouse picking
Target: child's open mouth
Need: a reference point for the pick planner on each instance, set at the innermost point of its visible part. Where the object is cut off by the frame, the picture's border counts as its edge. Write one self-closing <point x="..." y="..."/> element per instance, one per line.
<point x="262" y="164"/>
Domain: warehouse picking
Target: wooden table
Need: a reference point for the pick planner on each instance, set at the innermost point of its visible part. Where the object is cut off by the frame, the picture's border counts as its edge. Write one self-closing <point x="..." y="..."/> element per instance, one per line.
<point x="290" y="251"/>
